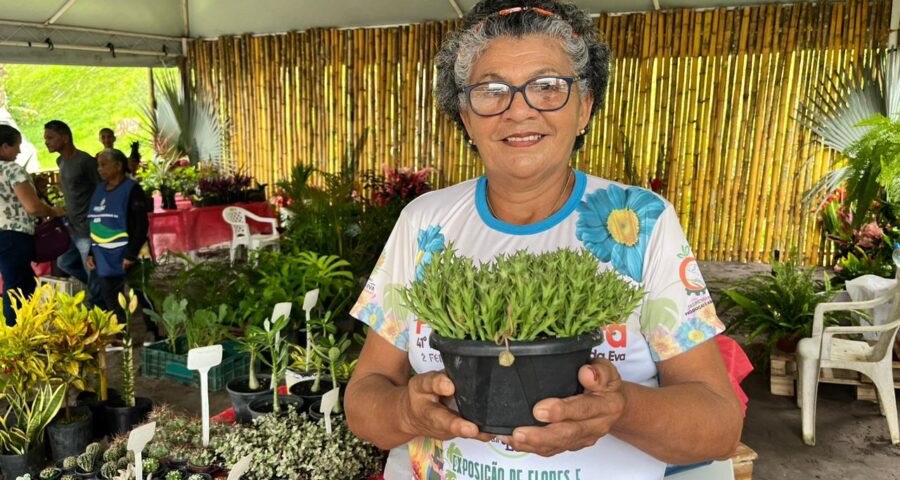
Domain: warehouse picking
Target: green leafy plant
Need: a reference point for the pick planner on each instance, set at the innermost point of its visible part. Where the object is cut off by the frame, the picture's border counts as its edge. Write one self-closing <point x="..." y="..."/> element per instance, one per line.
<point x="32" y="417"/>
<point x="780" y="305"/>
<point x="206" y="327"/>
<point x="270" y="335"/>
<point x="519" y="297"/>
<point x="173" y="318"/>
<point x="333" y="352"/>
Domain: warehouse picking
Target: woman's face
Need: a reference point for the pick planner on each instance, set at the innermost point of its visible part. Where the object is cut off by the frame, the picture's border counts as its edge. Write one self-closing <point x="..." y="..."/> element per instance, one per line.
<point x="523" y="142"/>
<point x="8" y="153"/>
<point x="109" y="169"/>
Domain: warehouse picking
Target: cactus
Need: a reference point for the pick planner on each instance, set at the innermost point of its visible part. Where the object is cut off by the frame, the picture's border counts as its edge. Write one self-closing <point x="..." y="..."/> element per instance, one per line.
<point x="123" y="463"/>
<point x="174" y="475"/>
<point x="49" y="473"/>
<point x="68" y="477"/>
<point x="151" y="465"/>
<point x="94" y="450"/>
<point x="109" y="470"/>
<point x="110" y="454"/>
<point x="69" y="463"/>
<point x="157" y="450"/>
<point x="86" y="462"/>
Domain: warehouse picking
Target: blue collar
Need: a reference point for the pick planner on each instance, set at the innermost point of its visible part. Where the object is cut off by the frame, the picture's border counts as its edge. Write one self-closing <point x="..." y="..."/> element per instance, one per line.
<point x="553" y="220"/>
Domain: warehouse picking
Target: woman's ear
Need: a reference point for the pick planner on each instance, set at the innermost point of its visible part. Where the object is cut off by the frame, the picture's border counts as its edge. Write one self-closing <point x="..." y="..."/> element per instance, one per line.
<point x="584" y="114"/>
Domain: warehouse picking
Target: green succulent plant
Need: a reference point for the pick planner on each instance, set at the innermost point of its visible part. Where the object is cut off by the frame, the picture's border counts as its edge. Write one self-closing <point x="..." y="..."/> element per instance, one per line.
<point x="49" y="473"/>
<point x="157" y="450"/>
<point x="86" y="462"/>
<point x="70" y="463"/>
<point x="109" y="470"/>
<point x="123" y="463"/>
<point x="202" y="457"/>
<point x="151" y="465"/>
<point x="174" y="475"/>
<point x="94" y="449"/>
<point x="68" y="477"/>
<point x="519" y="297"/>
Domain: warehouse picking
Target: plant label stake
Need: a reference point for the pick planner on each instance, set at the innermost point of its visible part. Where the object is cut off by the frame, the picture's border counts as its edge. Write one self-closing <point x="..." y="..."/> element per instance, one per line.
<point x="137" y="440"/>
<point x="328" y="402"/>
<point x="239" y="468"/>
<point x="309" y="302"/>
<point x="203" y="359"/>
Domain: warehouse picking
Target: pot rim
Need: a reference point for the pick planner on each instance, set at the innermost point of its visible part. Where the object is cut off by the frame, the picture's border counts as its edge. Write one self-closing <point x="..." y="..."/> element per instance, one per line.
<point x="485" y="348"/>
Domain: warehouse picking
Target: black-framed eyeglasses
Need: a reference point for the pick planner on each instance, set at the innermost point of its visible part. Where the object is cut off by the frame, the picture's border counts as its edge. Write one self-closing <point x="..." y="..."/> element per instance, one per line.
<point x="544" y="94"/>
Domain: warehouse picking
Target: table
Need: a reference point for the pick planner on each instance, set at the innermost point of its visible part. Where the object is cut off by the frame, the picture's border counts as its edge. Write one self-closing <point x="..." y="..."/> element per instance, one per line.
<point x="189" y="229"/>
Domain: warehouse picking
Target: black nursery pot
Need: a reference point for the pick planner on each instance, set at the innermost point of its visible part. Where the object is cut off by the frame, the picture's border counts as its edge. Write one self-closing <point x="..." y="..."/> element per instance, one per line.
<point x="122" y="418"/>
<point x="69" y="439"/>
<point x="241" y="395"/>
<point x="13" y="466"/>
<point x="316" y="415"/>
<point x="498" y="399"/>
<point x="303" y="389"/>
<point x="263" y="406"/>
<point x="91" y="400"/>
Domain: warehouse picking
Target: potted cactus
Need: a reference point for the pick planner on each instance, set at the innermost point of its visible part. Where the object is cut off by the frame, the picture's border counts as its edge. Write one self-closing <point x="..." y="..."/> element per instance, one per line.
<point x="69" y="464"/>
<point x="87" y="466"/>
<point x="151" y="466"/>
<point x="200" y="476"/>
<point x="516" y="331"/>
<point x="174" y="475"/>
<point x="201" y="461"/>
<point x="109" y="470"/>
<point x="68" y="476"/>
<point x="50" y="473"/>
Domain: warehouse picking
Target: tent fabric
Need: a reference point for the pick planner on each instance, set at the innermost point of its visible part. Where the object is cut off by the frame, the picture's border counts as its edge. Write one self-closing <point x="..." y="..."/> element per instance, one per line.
<point x="155" y="29"/>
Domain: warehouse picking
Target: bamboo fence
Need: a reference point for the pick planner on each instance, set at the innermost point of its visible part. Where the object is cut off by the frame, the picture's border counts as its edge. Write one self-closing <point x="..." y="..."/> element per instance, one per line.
<point x="704" y="100"/>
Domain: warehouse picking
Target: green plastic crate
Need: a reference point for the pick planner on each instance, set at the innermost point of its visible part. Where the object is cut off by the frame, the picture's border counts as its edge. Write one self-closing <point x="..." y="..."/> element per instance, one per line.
<point x="158" y="362"/>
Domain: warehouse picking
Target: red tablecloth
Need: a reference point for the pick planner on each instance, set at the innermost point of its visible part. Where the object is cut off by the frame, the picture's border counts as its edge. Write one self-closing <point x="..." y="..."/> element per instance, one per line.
<point x="190" y="228"/>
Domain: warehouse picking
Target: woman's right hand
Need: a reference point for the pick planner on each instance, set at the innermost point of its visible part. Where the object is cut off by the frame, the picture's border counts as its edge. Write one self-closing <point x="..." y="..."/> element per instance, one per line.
<point x="427" y="416"/>
<point x="90" y="262"/>
<point x="58" y="211"/>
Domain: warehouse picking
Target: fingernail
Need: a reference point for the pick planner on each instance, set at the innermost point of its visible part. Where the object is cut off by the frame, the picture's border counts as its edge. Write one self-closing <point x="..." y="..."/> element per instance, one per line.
<point x="542" y="414"/>
<point x="519" y="436"/>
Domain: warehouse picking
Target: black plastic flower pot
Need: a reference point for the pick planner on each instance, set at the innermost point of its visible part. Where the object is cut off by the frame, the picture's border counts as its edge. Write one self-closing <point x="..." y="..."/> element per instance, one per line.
<point x="123" y="418"/>
<point x="31" y="462"/>
<point x="70" y="437"/>
<point x="497" y="398"/>
<point x="57" y="472"/>
<point x="303" y="389"/>
<point x="86" y="475"/>
<point x="263" y="406"/>
<point x="92" y="401"/>
<point x="316" y="415"/>
<point x="242" y="395"/>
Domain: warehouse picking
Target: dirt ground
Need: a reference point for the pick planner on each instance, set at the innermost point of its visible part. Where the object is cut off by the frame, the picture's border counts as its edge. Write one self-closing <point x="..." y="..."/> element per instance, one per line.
<point x="853" y="441"/>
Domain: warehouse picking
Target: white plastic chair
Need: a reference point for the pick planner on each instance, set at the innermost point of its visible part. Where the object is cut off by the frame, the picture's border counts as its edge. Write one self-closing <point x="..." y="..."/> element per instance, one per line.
<point x="823" y="350"/>
<point x="240" y="230"/>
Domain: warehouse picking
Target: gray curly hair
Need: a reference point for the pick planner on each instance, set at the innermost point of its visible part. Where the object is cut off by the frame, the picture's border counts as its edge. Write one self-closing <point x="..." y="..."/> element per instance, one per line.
<point x="590" y="57"/>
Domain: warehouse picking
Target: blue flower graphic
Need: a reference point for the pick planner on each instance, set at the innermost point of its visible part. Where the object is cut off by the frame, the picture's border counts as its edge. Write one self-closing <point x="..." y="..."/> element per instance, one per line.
<point x="693" y="332"/>
<point x="615" y="225"/>
<point x="431" y="241"/>
<point x="372" y="315"/>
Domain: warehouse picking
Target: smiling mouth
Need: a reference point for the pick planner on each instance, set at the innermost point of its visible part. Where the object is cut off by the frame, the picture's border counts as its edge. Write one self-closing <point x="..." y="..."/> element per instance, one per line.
<point x="523" y="139"/>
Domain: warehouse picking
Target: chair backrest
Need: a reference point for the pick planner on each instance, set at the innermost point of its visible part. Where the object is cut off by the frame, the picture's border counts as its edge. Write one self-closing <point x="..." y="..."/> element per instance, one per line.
<point x="237" y="218"/>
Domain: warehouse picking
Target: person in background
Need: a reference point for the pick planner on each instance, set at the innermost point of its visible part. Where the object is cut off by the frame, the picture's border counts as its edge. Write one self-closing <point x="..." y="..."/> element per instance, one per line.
<point x="19" y="205"/>
<point x="118" y="224"/>
<point x="134" y="159"/>
<point x="107" y="139"/>
<point x="78" y="180"/>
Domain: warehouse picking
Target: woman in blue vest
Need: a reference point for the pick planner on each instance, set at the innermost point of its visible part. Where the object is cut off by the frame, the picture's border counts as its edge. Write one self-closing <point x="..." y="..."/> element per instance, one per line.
<point x="119" y="224"/>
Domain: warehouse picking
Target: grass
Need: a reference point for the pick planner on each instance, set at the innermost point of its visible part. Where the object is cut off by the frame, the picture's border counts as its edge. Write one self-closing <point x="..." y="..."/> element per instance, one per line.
<point x="86" y="98"/>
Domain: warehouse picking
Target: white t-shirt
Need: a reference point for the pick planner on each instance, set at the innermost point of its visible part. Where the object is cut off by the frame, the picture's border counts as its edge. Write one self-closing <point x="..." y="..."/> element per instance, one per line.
<point x="629" y="229"/>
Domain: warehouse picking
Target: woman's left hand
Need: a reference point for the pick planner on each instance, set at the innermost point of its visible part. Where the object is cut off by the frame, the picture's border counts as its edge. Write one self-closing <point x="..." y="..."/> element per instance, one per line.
<point x="126" y="263"/>
<point x="575" y="422"/>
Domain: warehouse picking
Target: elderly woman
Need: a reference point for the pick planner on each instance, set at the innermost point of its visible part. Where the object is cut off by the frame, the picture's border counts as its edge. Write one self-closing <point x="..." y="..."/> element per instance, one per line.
<point x="119" y="224"/>
<point x="19" y="205"/>
<point x="523" y="79"/>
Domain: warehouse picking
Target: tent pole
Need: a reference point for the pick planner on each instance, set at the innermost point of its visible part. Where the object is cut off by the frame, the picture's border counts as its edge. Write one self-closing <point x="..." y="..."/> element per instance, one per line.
<point x="105" y="31"/>
<point x="85" y="48"/>
<point x="60" y="12"/>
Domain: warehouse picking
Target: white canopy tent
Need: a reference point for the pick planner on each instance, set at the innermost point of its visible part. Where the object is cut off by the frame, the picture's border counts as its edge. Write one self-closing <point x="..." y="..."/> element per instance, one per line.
<point x="152" y="33"/>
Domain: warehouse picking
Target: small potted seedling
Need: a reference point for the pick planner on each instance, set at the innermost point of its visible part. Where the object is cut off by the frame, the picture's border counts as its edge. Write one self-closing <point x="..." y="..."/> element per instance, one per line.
<point x="151" y="466"/>
<point x="109" y="470"/>
<point x="517" y="330"/>
<point x="69" y="464"/>
<point x="279" y="354"/>
<point x="50" y="473"/>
